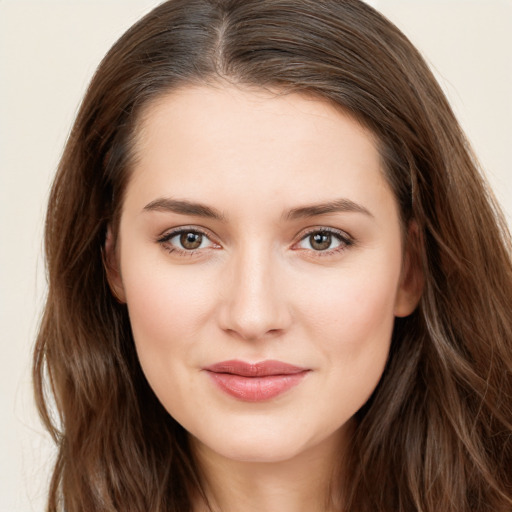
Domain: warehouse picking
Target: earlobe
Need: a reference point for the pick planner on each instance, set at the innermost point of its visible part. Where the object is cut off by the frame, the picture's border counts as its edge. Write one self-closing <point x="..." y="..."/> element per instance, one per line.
<point x="111" y="264"/>
<point x="412" y="278"/>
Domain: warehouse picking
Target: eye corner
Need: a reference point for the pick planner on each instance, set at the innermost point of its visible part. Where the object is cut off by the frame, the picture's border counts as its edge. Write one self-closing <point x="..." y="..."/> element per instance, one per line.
<point x="323" y="245"/>
<point x="199" y="241"/>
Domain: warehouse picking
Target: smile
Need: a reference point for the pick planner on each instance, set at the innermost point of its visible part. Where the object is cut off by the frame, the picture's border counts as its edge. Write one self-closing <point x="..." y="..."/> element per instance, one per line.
<point x="255" y="382"/>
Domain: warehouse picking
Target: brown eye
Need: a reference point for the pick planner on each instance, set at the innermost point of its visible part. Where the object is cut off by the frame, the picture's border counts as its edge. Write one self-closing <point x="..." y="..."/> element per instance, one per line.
<point x="186" y="241"/>
<point x="191" y="240"/>
<point x="325" y="241"/>
<point x="320" y="241"/>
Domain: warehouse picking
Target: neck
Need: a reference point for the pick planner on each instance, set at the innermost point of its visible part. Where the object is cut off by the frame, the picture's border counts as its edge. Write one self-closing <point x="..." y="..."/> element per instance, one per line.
<point x="303" y="483"/>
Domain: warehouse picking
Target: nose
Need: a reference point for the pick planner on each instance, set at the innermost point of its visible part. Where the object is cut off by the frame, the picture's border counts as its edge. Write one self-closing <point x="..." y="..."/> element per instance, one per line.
<point x="254" y="305"/>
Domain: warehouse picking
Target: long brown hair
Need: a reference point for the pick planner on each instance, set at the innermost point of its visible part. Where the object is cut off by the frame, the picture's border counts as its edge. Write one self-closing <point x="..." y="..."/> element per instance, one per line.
<point x="436" y="435"/>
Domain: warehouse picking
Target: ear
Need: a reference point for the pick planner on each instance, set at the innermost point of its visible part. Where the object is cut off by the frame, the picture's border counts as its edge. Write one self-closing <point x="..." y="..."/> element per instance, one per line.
<point x="111" y="264"/>
<point x="412" y="279"/>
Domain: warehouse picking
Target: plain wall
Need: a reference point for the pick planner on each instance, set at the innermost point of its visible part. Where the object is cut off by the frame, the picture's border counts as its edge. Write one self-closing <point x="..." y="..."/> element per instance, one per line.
<point x="48" y="52"/>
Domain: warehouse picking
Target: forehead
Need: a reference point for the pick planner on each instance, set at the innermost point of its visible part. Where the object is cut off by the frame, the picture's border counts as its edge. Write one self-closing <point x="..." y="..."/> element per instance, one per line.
<point x="207" y="140"/>
<point x="212" y="110"/>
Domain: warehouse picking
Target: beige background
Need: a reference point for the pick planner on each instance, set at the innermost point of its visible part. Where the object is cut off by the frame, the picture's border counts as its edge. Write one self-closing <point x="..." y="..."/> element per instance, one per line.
<point x="48" y="51"/>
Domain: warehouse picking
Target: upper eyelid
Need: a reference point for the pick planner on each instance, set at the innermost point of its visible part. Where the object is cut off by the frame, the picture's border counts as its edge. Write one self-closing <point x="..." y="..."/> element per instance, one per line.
<point x="319" y="229"/>
<point x="345" y="239"/>
<point x="164" y="240"/>
<point x="172" y="232"/>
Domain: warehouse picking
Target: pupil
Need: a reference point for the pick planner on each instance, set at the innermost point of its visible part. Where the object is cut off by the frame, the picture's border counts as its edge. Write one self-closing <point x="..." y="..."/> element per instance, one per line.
<point x="191" y="240"/>
<point x="320" y="241"/>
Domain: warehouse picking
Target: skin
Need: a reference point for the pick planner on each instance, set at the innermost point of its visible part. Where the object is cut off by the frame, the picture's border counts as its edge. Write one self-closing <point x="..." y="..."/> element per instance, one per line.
<point x="258" y="287"/>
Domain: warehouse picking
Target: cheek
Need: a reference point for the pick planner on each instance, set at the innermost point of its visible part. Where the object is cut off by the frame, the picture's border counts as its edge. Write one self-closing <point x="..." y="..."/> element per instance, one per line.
<point x="354" y="333"/>
<point x="357" y="308"/>
<point x="166" y="312"/>
<point x="167" y="309"/>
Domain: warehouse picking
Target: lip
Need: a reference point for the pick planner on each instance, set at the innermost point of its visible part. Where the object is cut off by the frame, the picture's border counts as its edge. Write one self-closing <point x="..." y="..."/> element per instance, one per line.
<point x="255" y="382"/>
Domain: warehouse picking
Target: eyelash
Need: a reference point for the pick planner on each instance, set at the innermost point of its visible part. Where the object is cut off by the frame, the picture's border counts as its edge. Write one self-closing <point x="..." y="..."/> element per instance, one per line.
<point x="342" y="237"/>
<point x="167" y="237"/>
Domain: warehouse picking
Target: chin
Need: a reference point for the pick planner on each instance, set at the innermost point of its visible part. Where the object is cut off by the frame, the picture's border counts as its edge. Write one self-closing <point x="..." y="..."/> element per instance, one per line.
<point x="263" y="444"/>
<point x="271" y="451"/>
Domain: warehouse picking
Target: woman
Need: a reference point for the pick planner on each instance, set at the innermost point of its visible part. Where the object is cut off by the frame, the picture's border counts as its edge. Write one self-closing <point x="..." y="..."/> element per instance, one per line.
<point x="277" y="280"/>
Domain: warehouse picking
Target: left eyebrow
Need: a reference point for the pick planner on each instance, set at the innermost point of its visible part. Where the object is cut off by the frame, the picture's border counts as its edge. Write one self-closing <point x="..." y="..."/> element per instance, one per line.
<point x="336" y="206"/>
<point x="183" y="207"/>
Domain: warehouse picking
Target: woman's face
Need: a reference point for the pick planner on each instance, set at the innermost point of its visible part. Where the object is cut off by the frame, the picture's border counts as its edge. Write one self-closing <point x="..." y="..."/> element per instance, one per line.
<point x="260" y="256"/>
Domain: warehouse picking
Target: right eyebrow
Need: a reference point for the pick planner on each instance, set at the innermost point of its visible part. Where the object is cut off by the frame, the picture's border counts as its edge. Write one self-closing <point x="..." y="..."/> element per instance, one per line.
<point x="183" y="207"/>
<point x="338" y="205"/>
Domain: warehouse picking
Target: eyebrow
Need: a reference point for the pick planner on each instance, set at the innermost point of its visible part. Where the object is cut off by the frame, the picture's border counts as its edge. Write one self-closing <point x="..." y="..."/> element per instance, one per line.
<point x="338" y="205"/>
<point x="166" y="204"/>
<point x="184" y="207"/>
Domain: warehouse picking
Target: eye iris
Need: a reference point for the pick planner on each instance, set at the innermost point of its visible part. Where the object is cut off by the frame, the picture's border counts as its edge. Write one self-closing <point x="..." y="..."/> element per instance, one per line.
<point x="191" y="240"/>
<point x="320" y="241"/>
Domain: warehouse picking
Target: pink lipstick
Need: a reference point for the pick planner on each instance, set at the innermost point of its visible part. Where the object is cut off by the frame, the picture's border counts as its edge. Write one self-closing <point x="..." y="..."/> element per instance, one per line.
<point x="255" y="382"/>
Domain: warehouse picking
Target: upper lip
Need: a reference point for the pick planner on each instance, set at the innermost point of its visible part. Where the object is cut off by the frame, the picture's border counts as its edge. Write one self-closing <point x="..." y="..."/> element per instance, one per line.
<point x="260" y="369"/>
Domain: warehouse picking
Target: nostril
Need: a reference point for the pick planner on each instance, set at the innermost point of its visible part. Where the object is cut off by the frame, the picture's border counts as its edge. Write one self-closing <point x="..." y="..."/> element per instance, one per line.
<point x="253" y="335"/>
<point x="253" y="305"/>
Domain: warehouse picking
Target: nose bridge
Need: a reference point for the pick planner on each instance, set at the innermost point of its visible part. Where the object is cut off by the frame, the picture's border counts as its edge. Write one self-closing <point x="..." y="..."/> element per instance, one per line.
<point x="256" y="305"/>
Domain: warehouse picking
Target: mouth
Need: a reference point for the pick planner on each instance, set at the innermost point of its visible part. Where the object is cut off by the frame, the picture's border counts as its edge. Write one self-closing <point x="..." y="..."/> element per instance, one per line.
<point x="255" y="382"/>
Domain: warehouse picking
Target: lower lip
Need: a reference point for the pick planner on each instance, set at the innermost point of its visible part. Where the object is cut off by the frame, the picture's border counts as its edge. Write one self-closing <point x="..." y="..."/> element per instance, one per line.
<point x="256" y="389"/>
